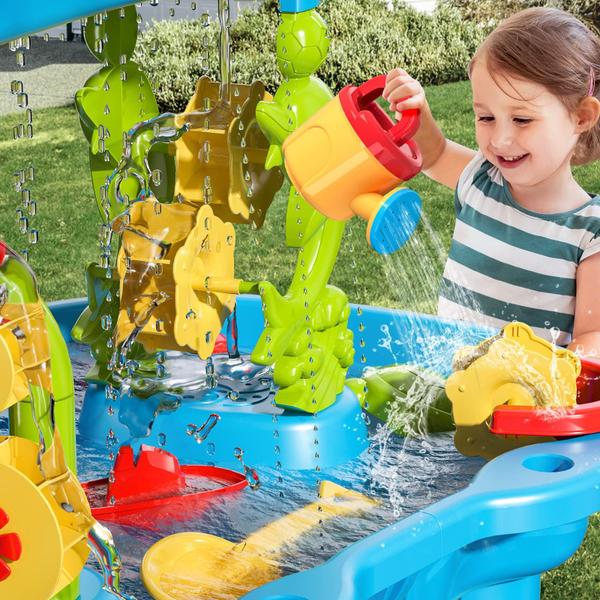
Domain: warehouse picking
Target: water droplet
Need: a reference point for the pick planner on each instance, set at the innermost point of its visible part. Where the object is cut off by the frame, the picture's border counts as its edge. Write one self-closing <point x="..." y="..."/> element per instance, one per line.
<point x="106" y="322"/>
<point x="156" y="176"/>
<point x="252" y="478"/>
<point x="162" y="439"/>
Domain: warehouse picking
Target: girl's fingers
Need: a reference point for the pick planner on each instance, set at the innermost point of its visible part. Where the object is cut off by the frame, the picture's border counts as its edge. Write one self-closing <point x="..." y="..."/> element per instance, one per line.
<point x="409" y="88"/>
<point x="397" y="72"/>
<point x="409" y="103"/>
<point x="394" y="80"/>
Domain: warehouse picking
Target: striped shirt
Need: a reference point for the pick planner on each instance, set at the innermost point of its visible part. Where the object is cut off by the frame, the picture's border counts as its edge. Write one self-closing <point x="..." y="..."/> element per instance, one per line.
<point x="507" y="263"/>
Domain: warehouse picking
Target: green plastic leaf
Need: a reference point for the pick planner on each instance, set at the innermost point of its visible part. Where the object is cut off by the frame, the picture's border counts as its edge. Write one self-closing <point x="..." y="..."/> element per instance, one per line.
<point x="112" y="37"/>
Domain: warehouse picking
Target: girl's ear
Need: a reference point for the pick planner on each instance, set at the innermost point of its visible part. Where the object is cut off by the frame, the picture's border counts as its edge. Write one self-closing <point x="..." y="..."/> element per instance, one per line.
<point x="587" y="114"/>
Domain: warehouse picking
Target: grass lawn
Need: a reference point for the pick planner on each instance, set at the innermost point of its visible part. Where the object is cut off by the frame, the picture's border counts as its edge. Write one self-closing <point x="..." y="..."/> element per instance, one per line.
<point x="67" y="221"/>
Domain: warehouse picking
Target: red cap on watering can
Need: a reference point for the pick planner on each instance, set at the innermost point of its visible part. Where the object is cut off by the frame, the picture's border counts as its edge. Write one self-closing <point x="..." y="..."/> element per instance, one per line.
<point x="389" y="142"/>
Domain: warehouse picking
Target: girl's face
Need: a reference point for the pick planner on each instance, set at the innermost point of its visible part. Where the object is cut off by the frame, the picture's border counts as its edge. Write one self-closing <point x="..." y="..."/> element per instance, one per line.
<point x="521" y="127"/>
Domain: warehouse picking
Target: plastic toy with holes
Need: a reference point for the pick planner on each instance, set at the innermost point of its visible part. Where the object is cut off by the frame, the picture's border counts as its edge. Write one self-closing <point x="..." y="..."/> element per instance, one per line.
<point x="205" y="288"/>
<point x="41" y="500"/>
<point x="221" y="157"/>
<point x="48" y="509"/>
<point x="177" y="283"/>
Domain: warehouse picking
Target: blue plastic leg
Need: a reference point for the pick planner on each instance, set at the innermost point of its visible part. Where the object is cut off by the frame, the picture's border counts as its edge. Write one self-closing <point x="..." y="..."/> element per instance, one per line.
<point x="527" y="588"/>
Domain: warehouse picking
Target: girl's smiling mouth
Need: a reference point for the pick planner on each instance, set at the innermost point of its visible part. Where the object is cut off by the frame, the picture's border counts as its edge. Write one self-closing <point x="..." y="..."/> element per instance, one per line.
<point x="511" y="162"/>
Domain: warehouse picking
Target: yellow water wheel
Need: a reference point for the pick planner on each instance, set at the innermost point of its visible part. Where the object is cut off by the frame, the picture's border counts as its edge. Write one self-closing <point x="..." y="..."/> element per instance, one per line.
<point x="44" y="521"/>
<point x="205" y="289"/>
<point x="31" y="546"/>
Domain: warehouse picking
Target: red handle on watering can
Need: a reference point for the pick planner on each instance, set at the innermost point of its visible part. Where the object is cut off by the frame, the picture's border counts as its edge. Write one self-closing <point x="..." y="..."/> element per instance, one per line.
<point x="404" y="129"/>
<point x="389" y="142"/>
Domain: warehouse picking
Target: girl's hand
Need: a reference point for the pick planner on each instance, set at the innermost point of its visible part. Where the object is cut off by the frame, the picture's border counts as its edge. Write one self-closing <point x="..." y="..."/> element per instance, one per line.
<point x="403" y="92"/>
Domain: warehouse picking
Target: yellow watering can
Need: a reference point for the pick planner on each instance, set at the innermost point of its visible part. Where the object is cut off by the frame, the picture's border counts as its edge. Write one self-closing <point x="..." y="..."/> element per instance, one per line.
<point x="349" y="158"/>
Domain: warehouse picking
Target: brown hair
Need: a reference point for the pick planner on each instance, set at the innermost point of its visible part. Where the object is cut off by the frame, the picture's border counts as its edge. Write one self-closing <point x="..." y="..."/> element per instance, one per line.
<point x="552" y="48"/>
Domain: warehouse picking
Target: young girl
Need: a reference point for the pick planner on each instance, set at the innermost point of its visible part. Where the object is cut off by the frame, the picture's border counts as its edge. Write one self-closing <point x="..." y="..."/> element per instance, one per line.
<point x="526" y="244"/>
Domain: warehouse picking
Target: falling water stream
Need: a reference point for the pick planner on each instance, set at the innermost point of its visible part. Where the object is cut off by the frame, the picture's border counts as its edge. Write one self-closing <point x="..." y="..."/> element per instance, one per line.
<point x="413" y="275"/>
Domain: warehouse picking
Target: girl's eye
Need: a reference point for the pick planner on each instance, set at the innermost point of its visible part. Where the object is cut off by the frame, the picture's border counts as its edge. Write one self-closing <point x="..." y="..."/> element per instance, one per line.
<point x="522" y="120"/>
<point x="485" y="119"/>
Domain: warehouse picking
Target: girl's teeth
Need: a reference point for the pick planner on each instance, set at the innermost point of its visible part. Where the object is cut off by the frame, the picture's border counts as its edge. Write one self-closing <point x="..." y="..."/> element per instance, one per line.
<point x="512" y="158"/>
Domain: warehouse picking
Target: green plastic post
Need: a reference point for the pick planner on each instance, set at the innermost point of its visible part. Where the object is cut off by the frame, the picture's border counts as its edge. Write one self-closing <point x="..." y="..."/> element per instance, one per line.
<point x="306" y="334"/>
<point x="22" y="288"/>
<point x="111" y="103"/>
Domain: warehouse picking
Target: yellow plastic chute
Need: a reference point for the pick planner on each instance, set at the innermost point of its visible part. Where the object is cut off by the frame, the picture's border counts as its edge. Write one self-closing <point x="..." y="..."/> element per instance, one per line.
<point x="207" y="567"/>
<point x="24" y="351"/>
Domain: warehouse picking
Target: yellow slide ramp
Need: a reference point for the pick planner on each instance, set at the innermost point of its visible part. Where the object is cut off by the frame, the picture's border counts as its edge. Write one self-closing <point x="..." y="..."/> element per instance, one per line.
<point x="200" y="566"/>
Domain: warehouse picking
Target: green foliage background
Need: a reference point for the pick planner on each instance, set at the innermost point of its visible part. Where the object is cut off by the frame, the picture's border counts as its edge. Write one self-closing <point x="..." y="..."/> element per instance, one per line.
<point x="488" y="13"/>
<point x="367" y="39"/>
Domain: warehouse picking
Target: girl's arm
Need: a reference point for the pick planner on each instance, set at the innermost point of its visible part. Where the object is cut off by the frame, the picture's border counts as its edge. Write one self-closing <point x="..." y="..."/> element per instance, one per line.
<point x="443" y="159"/>
<point x="586" y="330"/>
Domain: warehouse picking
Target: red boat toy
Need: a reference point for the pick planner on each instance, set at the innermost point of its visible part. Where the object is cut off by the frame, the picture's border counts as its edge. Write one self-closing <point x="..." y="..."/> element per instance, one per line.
<point x="156" y="481"/>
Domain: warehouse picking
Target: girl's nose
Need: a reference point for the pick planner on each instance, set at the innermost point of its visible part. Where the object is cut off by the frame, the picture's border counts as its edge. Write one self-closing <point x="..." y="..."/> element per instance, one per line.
<point x="502" y="137"/>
